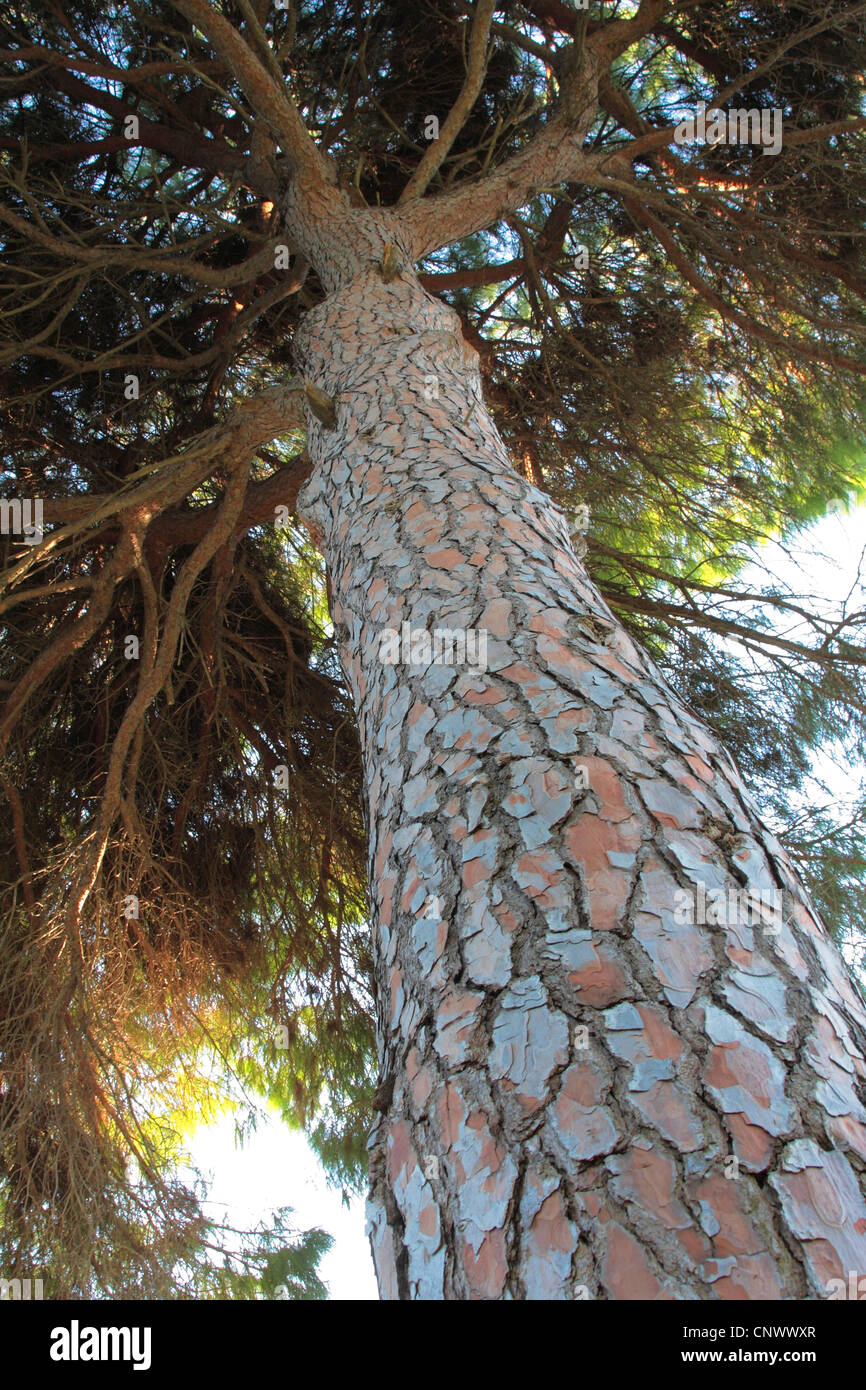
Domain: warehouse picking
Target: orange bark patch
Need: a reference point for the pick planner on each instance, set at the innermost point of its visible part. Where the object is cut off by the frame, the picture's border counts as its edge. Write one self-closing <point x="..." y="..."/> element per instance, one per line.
<point x="753" y="1146"/>
<point x="378" y="589"/>
<point x="486" y="1271"/>
<point x="733" y="1064"/>
<point x="446" y="559"/>
<point x="421" y="1088"/>
<point x="554" y="629"/>
<point x="506" y="918"/>
<point x="409" y="891"/>
<point x="489" y="696"/>
<point x="495" y="618"/>
<point x="648" y="1178"/>
<point x="400" y="1154"/>
<point x="625" y="1270"/>
<point x="386" y="899"/>
<point x="382" y="853"/>
<point x="475" y="871"/>
<point x="694" y="1244"/>
<point x="582" y="1083"/>
<point x="754" y="1278"/>
<point x="589" y="838"/>
<point x="543" y="865"/>
<point x="396" y="984"/>
<point x="612" y="663"/>
<point x="452" y="1113"/>
<point x="665" y="1108"/>
<point x="663" y="1042"/>
<point x="550" y="1229"/>
<point x="602" y="982"/>
<point x="736" y="1235"/>
<point x="610" y="789"/>
<point x="571" y="719"/>
<point x="591" y="1203"/>
<point x="528" y="680"/>
<point x="845" y="1129"/>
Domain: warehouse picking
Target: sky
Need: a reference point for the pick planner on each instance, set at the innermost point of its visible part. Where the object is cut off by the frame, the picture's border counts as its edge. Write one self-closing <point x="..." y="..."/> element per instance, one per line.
<point x="275" y="1166"/>
<point x="825" y="569"/>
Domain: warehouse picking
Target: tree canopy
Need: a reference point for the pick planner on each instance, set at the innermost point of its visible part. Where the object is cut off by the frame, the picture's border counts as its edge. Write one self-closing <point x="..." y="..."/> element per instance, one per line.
<point x="671" y="338"/>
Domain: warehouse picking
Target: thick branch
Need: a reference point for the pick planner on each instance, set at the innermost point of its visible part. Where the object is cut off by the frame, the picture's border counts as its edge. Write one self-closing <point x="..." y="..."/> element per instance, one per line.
<point x="187" y="526"/>
<point x="476" y="68"/>
<point x="554" y="156"/>
<point x="616" y="36"/>
<point x="267" y="97"/>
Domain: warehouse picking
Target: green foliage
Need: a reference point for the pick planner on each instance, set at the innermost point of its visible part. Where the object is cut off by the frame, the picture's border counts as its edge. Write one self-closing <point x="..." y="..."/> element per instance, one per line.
<point x="270" y="1262"/>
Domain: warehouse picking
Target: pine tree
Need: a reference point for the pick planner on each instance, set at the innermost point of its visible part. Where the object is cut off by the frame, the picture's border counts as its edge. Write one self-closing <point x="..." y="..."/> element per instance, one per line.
<point x="440" y="296"/>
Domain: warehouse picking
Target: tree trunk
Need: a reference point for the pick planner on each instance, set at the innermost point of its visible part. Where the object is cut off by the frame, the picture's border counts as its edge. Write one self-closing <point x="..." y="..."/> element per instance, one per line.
<point x="586" y="1090"/>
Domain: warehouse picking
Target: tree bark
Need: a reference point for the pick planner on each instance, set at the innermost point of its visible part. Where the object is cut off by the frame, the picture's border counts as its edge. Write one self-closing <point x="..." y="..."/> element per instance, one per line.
<point x="583" y="1095"/>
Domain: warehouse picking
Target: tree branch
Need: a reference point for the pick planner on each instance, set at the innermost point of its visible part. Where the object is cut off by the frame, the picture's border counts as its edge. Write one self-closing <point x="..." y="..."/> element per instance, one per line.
<point x="267" y="97"/>
<point x="554" y="156"/>
<point x="156" y="486"/>
<point x="476" y="69"/>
